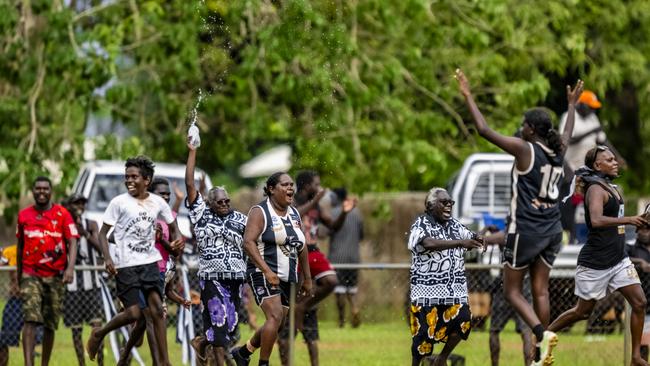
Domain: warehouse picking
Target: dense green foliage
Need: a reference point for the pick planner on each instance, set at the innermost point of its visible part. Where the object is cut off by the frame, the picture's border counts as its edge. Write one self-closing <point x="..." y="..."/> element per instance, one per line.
<point x="361" y="89"/>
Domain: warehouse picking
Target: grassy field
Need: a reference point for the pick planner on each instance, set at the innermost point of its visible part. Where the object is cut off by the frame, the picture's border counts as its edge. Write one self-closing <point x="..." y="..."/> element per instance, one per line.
<point x="387" y="343"/>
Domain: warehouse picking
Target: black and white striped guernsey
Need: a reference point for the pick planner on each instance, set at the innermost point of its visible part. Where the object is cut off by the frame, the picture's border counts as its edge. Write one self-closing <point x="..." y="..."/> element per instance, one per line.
<point x="280" y="242"/>
<point x="534" y="207"/>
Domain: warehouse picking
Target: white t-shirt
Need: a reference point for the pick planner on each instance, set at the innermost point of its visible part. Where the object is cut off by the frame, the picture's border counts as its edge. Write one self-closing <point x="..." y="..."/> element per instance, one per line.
<point x="575" y="153"/>
<point x="134" y="224"/>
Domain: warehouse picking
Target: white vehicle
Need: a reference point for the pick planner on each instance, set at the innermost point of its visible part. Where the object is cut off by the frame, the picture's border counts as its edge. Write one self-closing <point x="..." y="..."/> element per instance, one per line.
<point x="101" y="180"/>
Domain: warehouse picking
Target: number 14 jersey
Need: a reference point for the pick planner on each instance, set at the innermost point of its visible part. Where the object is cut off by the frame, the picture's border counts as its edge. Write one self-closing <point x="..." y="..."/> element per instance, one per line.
<point x="534" y="207"/>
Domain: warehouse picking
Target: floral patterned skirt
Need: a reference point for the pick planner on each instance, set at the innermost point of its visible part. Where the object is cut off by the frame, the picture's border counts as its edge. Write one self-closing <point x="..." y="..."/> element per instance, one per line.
<point x="434" y="324"/>
<point x="220" y="300"/>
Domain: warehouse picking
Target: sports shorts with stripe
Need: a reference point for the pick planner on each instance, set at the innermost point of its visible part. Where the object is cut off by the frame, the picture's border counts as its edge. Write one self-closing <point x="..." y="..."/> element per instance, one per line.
<point x="522" y="250"/>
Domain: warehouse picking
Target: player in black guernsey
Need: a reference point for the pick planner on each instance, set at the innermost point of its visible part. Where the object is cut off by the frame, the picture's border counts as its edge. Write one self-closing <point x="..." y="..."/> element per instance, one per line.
<point x="274" y="242"/>
<point x="534" y="231"/>
<point x="603" y="263"/>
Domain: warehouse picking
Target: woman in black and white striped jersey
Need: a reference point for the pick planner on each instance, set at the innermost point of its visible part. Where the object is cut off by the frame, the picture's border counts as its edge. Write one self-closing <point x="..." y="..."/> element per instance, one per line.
<point x="274" y="242"/>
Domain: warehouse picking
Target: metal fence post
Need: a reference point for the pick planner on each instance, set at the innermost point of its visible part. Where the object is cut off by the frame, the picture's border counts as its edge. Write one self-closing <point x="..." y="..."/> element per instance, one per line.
<point x="627" y="345"/>
<point x="292" y="322"/>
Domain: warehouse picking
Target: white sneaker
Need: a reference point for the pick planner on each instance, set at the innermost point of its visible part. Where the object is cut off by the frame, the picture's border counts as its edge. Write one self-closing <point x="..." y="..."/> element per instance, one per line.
<point x="549" y="341"/>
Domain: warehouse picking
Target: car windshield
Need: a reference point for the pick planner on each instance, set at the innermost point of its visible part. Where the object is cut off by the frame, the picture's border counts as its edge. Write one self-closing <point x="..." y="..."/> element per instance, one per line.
<point x="107" y="186"/>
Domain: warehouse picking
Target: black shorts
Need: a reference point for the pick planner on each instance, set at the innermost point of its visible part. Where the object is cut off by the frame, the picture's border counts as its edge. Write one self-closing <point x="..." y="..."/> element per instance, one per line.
<point x="522" y="250"/>
<point x="83" y="306"/>
<point x="130" y="281"/>
<point x="309" y="329"/>
<point x="263" y="290"/>
<point x="220" y="300"/>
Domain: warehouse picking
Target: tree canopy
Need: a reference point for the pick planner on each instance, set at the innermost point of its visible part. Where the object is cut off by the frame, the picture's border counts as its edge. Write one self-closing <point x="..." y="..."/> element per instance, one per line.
<point x="361" y="89"/>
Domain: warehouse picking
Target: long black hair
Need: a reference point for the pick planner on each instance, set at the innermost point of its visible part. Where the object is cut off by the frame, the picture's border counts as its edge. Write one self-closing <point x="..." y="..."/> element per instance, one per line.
<point x="540" y="120"/>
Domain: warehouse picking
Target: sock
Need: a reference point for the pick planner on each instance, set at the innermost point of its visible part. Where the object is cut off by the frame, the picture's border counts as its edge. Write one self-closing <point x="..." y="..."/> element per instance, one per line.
<point x="538" y="331"/>
<point x="244" y="352"/>
<point x="263" y="363"/>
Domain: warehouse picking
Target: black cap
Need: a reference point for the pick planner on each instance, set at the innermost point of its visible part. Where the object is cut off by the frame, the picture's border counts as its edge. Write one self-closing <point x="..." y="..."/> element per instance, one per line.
<point x="76" y="197"/>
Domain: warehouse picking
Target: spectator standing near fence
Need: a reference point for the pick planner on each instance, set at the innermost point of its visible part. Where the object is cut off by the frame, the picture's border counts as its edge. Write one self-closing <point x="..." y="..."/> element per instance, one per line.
<point x="47" y="250"/>
<point x="344" y="248"/>
<point x="134" y="265"/>
<point x="640" y="256"/>
<point x="82" y="302"/>
<point x="535" y="228"/>
<point x="275" y="244"/>
<point x="603" y="264"/>
<point x="219" y="233"/>
<point x="439" y="311"/>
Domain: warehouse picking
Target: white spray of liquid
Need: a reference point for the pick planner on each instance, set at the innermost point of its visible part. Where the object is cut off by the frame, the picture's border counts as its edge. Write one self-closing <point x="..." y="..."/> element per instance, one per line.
<point x="193" y="131"/>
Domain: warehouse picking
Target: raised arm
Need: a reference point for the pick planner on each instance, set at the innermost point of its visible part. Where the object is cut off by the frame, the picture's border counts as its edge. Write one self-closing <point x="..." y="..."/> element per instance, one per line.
<point x="572" y="97"/>
<point x="254" y="227"/>
<point x="332" y="224"/>
<point x="596" y="198"/>
<point x="514" y="146"/>
<point x="312" y="203"/>
<point x="178" y="197"/>
<point x="189" y="172"/>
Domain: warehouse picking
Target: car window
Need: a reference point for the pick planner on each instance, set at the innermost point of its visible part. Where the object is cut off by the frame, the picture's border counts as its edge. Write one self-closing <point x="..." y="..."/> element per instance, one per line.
<point x="107" y="186"/>
<point x="502" y="190"/>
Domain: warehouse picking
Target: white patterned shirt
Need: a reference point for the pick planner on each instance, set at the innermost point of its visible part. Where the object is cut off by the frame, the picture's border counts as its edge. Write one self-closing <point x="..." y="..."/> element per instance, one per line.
<point x="220" y="241"/>
<point x="437" y="276"/>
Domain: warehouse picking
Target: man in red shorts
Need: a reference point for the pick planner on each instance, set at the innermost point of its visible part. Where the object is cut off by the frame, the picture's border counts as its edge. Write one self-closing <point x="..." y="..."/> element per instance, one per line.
<point x="47" y="250"/>
<point x="307" y="198"/>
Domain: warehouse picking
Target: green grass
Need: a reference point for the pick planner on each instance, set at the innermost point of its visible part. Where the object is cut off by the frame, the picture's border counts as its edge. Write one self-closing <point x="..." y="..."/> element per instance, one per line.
<point x="388" y="343"/>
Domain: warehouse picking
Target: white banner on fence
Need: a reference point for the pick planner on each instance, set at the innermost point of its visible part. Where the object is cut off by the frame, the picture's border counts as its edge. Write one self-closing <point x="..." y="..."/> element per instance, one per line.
<point x="185" y="323"/>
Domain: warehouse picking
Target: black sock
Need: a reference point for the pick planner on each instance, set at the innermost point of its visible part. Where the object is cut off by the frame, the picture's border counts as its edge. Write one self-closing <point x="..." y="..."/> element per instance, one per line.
<point x="538" y="353"/>
<point x="244" y="352"/>
<point x="263" y="363"/>
<point x="538" y="331"/>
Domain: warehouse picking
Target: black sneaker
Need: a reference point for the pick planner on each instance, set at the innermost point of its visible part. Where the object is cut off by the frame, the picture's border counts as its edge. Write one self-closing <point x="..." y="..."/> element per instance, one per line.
<point x="239" y="359"/>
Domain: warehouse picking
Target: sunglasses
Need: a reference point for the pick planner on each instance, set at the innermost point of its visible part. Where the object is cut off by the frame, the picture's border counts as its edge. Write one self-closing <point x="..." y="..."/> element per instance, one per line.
<point x="447" y="202"/>
<point x="224" y="201"/>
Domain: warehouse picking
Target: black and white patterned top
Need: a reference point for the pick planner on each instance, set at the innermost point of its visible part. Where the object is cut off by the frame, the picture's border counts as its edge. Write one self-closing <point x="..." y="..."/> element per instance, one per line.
<point x="437" y="276"/>
<point x="220" y="242"/>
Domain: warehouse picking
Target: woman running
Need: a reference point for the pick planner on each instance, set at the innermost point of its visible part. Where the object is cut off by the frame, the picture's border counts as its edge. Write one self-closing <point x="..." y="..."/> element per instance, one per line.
<point x="534" y="231"/>
<point x="603" y="263"/>
<point x="274" y="241"/>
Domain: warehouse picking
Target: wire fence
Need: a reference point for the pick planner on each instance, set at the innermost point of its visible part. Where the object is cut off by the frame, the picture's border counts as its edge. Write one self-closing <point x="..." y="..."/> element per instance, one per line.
<point x="383" y="297"/>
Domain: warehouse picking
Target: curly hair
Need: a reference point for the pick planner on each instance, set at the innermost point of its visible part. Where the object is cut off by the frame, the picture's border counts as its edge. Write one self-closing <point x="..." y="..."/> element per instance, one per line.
<point x="143" y="163"/>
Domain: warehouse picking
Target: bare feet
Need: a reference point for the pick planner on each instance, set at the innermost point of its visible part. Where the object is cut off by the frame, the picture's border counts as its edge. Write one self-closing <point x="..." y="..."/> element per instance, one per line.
<point x="92" y="346"/>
